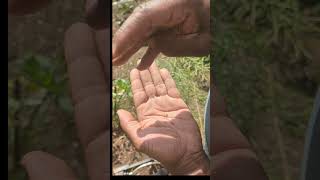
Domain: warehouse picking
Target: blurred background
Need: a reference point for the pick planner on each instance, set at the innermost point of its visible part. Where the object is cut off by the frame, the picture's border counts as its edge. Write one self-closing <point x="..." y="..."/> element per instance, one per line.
<point x="266" y="63"/>
<point x="39" y="107"/>
<point x="192" y="76"/>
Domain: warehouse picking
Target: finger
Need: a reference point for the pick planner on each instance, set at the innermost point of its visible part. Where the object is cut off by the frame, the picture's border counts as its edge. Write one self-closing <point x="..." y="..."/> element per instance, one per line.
<point x="79" y="42"/>
<point x="97" y="13"/>
<point x="187" y="45"/>
<point x="97" y="155"/>
<point x="237" y="164"/>
<point x="221" y="124"/>
<point x="147" y="82"/>
<point x="87" y="80"/>
<point x="146" y="20"/>
<point x="41" y="165"/>
<point x="102" y="38"/>
<point x="169" y="83"/>
<point x="221" y="141"/>
<point x="89" y="92"/>
<point x="123" y="58"/>
<point x="139" y="94"/>
<point x="130" y="126"/>
<point x="157" y="80"/>
<point x="22" y="7"/>
<point x="219" y="107"/>
<point x="148" y="58"/>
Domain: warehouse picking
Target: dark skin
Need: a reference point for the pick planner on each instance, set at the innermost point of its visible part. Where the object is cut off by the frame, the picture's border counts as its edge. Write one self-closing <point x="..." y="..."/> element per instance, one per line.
<point x="85" y="54"/>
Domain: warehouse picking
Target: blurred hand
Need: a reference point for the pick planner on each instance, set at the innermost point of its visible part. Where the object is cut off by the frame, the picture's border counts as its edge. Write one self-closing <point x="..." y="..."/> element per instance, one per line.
<point x="165" y="128"/>
<point x="97" y="11"/>
<point x="86" y="53"/>
<point x="172" y="27"/>
<point x="231" y="154"/>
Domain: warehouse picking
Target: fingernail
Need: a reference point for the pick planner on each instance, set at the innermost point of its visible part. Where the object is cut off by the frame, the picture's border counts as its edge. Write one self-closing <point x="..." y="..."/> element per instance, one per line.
<point x="25" y="159"/>
<point x="138" y="62"/>
<point x="119" y="112"/>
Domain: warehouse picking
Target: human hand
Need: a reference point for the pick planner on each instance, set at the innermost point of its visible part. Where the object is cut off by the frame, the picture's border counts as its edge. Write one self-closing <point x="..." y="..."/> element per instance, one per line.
<point x="165" y="128"/>
<point x="96" y="11"/>
<point x="231" y="154"/>
<point x="87" y="72"/>
<point x="172" y="27"/>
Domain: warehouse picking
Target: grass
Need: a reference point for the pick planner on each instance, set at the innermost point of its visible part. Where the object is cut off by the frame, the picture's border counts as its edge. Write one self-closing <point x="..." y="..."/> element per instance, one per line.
<point x="192" y="77"/>
<point x="263" y="68"/>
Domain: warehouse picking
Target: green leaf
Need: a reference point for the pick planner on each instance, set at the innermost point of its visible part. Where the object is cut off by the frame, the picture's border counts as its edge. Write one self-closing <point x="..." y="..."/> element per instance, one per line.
<point x="41" y="71"/>
<point x="38" y="70"/>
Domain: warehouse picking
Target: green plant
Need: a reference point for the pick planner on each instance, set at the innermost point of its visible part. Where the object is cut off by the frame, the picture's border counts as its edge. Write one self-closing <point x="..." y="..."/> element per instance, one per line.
<point x="123" y="9"/>
<point x="38" y="85"/>
<point x="121" y="94"/>
<point x="261" y="64"/>
<point x="47" y="75"/>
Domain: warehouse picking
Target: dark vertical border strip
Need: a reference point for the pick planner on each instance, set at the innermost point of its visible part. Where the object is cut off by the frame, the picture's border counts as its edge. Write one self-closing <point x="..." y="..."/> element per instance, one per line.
<point x="211" y="84"/>
<point x="109" y="8"/>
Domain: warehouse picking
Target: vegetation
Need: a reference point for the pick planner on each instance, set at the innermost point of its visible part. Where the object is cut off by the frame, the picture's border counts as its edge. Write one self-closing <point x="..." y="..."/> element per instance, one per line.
<point x="265" y="64"/>
<point x="38" y="100"/>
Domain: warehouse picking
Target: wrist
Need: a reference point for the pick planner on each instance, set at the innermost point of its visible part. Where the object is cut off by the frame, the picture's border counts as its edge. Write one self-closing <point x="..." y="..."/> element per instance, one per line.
<point x="202" y="166"/>
<point x="196" y="164"/>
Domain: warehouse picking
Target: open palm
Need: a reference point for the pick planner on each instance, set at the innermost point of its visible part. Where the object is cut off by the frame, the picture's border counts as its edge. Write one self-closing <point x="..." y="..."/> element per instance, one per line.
<point x="164" y="128"/>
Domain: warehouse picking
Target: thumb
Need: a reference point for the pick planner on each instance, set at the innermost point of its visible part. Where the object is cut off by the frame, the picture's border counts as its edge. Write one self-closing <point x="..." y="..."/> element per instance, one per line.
<point x="41" y="165"/>
<point x="130" y="126"/>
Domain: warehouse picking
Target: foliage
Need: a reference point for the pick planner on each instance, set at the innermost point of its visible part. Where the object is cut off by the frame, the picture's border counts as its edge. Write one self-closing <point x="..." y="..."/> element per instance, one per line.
<point x="38" y="86"/>
<point x="121" y="93"/>
<point x="123" y="9"/>
<point x="262" y="66"/>
<point x="271" y="31"/>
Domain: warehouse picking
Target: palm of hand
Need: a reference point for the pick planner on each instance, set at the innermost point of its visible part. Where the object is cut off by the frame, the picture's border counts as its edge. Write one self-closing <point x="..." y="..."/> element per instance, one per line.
<point x="166" y="123"/>
<point x="165" y="129"/>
